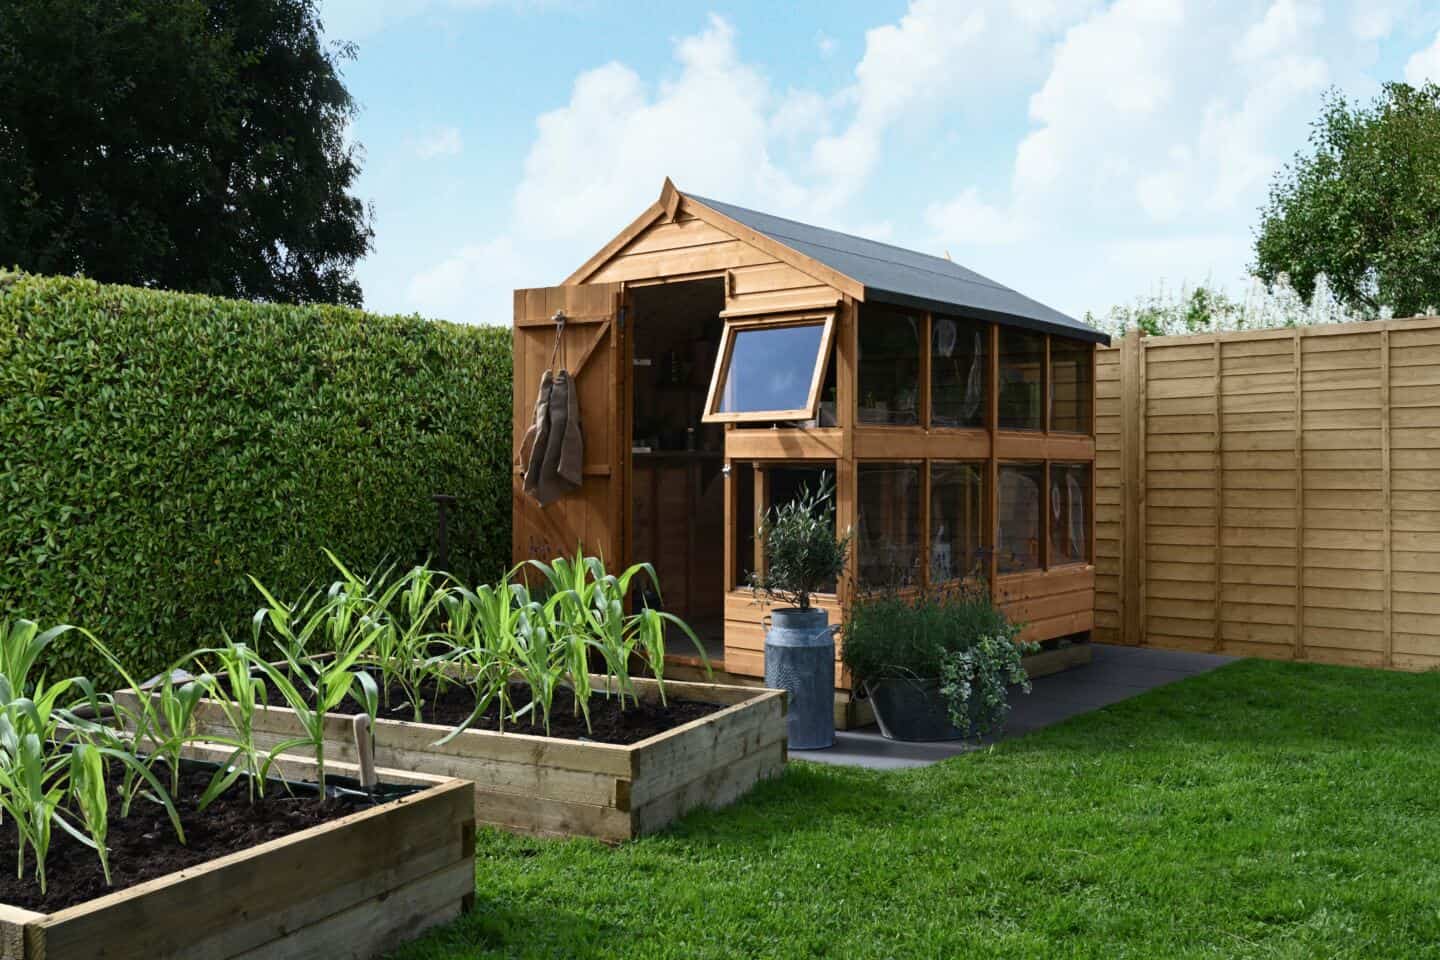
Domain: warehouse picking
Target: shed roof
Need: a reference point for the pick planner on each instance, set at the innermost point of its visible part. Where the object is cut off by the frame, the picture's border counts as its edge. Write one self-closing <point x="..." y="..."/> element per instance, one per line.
<point x="892" y="274"/>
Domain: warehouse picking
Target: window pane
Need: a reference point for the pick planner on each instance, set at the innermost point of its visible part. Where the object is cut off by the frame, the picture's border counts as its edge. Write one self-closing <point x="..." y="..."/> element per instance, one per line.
<point x="957" y="372"/>
<point x="1019" y="534"/>
<point x="1070" y="377"/>
<point x="1022" y="357"/>
<point x="889" y="366"/>
<point x="771" y="368"/>
<point x="788" y="484"/>
<point x="957" y="520"/>
<point x="1069" y="513"/>
<point x="887" y="550"/>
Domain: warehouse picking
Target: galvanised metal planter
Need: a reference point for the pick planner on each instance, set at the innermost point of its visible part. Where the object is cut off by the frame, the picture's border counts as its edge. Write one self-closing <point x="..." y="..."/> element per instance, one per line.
<point x="800" y="659"/>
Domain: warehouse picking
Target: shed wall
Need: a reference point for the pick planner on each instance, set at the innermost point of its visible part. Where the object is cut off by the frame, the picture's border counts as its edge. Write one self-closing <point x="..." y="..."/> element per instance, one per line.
<point x="1273" y="493"/>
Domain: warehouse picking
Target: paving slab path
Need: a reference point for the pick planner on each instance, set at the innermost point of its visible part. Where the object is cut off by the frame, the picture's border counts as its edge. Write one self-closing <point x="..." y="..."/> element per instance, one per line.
<point x="1114" y="674"/>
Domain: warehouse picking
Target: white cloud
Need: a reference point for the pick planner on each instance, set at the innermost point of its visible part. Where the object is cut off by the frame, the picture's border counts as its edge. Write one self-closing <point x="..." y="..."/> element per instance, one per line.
<point x="940" y="53"/>
<point x="1276" y="32"/>
<point x="824" y="43"/>
<point x="903" y="63"/>
<point x="967" y="219"/>
<point x="1424" y="65"/>
<point x="1372" y="20"/>
<point x="599" y="159"/>
<point x="444" y="142"/>
<point x="473" y="284"/>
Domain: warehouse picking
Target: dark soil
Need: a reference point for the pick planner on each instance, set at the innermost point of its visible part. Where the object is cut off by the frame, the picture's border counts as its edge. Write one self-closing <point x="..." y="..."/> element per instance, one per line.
<point x="608" y="723"/>
<point x="143" y="846"/>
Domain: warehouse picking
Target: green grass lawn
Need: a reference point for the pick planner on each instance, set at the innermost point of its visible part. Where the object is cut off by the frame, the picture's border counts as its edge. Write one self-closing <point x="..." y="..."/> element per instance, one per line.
<point x="1265" y="809"/>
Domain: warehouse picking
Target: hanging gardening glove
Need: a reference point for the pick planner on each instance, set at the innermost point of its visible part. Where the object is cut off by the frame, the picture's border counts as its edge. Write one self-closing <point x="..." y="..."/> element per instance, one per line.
<point x="561" y="471"/>
<point x="537" y="437"/>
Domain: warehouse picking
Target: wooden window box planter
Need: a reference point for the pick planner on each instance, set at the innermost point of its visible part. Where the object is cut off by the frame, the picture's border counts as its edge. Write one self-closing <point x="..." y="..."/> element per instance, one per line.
<point x="355" y="887"/>
<point x="557" y="787"/>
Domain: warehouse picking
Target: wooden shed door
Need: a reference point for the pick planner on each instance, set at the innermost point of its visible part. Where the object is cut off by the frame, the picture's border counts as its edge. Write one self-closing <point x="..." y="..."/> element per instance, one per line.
<point x="592" y="349"/>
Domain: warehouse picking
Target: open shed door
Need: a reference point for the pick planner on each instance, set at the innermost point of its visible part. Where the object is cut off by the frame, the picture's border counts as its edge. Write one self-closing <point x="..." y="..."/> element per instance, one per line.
<point x="592" y="349"/>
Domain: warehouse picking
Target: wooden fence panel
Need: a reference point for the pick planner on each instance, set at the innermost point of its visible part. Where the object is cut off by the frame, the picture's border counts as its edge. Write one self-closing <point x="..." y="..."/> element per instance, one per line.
<point x="1272" y="493"/>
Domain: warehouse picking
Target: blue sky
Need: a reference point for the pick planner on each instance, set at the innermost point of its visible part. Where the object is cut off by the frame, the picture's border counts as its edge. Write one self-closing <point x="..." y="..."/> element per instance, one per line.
<point x="1084" y="152"/>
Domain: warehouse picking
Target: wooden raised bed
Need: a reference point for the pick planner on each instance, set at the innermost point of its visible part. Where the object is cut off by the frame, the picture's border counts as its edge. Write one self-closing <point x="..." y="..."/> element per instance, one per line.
<point x="355" y="888"/>
<point x="556" y="787"/>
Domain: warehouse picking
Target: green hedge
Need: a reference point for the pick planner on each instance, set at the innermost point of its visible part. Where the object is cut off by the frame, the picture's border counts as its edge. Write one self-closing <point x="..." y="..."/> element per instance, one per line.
<point x="156" y="447"/>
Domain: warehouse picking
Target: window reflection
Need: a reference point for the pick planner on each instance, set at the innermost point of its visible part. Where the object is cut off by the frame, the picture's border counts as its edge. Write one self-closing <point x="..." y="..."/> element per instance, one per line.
<point x="1018" y="546"/>
<point x="957" y="372"/>
<point x="1071" y="374"/>
<point x="888" y="529"/>
<point x="957" y="520"/>
<point x="1022" y="361"/>
<point x="889" y="369"/>
<point x="1069" y="513"/>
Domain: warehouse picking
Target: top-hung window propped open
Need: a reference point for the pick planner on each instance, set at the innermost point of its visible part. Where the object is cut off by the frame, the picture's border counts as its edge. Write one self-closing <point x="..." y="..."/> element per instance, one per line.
<point x="770" y="369"/>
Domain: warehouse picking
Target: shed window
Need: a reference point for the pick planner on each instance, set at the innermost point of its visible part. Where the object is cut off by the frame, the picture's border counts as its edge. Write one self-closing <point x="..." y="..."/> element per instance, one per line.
<point x="1022" y="363"/>
<point x="957" y="519"/>
<point x="1069" y="512"/>
<point x="1071" y="375"/>
<point x="1019" y="530"/>
<point x="888" y="536"/>
<point x="957" y="372"/>
<point x="770" y="370"/>
<point x="889" y="375"/>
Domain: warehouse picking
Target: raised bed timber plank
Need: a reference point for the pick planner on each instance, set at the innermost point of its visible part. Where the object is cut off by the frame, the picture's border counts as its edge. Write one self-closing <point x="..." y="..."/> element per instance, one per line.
<point x="556" y="787"/>
<point x="353" y="888"/>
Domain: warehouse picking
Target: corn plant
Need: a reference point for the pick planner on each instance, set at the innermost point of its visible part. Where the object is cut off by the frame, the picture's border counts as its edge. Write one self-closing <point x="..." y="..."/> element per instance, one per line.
<point x="236" y="686"/>
<point x="21" y="644"/>
<point x="536" y="661"/>
<point x="481" y="625"/>
<point x="592" y="601"/>
<point x="54" y="769"/>
<point x="312" y="688"/>
<point x="173" y="711"/>
<point x="399" y="623"/>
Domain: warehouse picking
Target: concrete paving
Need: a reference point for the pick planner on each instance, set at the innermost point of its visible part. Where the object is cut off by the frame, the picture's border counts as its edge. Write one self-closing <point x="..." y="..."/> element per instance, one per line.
<point x="1114" y="674"/>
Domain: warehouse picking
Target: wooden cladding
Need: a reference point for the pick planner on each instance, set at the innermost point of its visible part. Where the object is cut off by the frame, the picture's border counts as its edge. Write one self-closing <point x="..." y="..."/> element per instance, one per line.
<point x="1273" y="493"/>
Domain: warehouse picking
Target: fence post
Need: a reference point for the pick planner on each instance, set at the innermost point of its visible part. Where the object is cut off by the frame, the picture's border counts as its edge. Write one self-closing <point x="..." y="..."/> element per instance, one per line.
<point x="1130" y="487"/>
<point x="1218" y="448"/>
<point x="1299" y="365"/>
<point x="1388" y="649"/>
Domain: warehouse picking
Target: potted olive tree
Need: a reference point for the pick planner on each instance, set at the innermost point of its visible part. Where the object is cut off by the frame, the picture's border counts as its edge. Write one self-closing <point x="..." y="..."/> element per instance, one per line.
<point x="937" y="666"/>
<point x="803" y="555"/>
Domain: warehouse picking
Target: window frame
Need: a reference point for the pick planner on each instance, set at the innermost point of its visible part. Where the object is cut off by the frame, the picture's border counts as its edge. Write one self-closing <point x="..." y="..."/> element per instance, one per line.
<point x="727" y="349"/>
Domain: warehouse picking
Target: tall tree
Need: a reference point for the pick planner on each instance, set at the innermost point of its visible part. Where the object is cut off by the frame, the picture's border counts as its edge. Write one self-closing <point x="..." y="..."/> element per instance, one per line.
<point x="188" y="144"/>
<point x="1363" y="206"/>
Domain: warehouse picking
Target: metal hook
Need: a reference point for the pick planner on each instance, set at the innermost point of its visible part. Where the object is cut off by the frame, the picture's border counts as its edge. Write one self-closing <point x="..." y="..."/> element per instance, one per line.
<point x="559" y="320"/>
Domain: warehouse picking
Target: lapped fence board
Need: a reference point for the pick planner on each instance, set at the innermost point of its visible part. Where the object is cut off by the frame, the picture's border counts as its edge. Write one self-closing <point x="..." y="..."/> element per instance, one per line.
<point x="1273" y="493"/>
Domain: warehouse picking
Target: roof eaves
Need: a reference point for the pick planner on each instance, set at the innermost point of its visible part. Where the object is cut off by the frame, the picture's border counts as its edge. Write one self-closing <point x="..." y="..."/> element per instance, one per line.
<point x="1034" y="324"/>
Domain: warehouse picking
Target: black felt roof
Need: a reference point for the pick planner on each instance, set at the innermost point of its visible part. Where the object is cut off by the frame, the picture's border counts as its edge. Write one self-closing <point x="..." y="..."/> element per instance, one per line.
<point x="903" y="277"/>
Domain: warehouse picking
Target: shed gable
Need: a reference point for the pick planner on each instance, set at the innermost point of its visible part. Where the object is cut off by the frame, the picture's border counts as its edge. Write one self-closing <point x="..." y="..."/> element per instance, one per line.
<point x="755" y="280"/>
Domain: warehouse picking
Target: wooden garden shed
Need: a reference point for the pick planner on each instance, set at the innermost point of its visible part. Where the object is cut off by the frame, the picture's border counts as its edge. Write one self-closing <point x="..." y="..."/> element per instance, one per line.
<point x="725" y="359"/>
